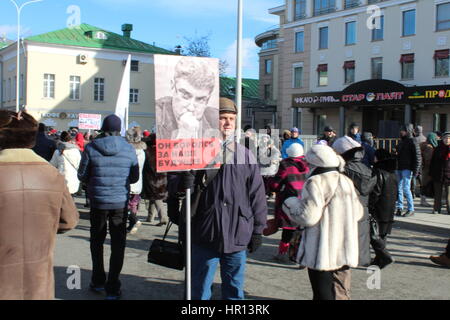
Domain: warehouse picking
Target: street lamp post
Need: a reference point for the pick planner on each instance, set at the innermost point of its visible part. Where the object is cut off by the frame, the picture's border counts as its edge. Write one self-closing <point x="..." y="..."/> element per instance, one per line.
<point x="19" y="9"/>
<point x="239" y="68"/>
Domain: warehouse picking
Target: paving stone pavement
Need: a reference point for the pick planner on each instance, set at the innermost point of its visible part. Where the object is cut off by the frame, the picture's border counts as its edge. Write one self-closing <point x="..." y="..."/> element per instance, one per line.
<point x="412" y="276"/>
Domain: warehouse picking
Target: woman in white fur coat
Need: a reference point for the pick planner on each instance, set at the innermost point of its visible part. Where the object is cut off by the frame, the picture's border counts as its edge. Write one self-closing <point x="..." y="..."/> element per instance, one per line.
<point x="66" y="159"/>
<point x="329" y="210"/>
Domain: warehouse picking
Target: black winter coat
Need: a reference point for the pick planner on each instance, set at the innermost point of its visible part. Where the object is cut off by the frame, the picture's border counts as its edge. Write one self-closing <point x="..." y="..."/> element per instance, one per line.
<point x="409" y="156"/>
<point x="364" y="183"/>
<point x="45" y="147"/>
<point x="384" y="195"/>
<point x="439" y="167"/>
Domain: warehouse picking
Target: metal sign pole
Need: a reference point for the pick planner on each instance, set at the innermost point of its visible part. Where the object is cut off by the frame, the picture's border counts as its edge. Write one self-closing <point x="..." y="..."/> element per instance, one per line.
<point x="188" y="244"/>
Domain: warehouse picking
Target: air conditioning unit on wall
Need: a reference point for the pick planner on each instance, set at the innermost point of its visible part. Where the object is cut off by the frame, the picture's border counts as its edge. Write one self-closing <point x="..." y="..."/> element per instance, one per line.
<point x="83" y="58"/>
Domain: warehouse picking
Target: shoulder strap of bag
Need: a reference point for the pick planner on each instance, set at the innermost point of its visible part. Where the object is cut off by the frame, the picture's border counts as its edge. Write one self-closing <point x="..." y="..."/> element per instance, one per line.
<point x="69" y="162"/>
<point x="167" y="230"/>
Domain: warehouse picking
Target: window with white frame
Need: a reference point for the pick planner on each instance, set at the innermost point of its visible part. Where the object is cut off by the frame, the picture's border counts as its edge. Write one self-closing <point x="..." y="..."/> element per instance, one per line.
<point x="322" y="73"/>
<point x="441" y="63"/>
<point x="378" y="33"/>
<point x="377" y="68"/>
<point x="298" y="76"/>
<point x="99" y="89"/>
<point x="443" y="16"/>
<point x="323" y="38"/>
<point x="75" y="87"/>
<point x="299" y="41"/>
<point x="134" y="95"/>
<point x="135" y="65"/>
<point x="409" y="23"/>
<point x="350" y="33"/>
<point x="300" y="9"/>
<point x="268" y="66"/>
<point x="407" y="62"/>
<point x="349" y="72"/>
<point x="49" y="86"/>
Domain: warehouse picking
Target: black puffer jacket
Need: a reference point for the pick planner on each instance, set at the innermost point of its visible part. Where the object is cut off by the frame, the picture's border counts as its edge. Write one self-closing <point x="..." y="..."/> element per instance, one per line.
<point x="364" y="183"/>
<point x="408" y="154"/>
<point x="384" y="195"/>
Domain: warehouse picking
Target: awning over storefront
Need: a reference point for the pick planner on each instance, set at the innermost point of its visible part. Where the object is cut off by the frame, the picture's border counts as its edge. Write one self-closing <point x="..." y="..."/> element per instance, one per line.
<point x="374" y="93"/>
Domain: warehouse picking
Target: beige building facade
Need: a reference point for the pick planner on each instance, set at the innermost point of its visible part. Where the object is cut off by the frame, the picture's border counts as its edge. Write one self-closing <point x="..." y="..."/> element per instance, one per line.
<point x="326" y="48"/>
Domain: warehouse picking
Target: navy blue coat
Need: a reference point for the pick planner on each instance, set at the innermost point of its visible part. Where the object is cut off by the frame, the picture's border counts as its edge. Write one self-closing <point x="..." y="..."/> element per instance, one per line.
<point x="45" y="147"/>
<point x="232" y="207"/>
<point x="109" y="165"/>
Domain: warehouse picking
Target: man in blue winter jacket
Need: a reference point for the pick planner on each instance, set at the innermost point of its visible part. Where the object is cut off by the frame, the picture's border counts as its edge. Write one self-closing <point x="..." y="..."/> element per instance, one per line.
<point x="108" y="166"/>
<point x="294" y="139"/>
<point x="230" y="216"/>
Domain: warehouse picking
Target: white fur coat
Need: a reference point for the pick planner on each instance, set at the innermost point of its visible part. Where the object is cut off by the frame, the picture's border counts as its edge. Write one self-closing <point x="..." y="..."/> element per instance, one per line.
<point x="67" y="164"/>
<point x="330" y="210"/>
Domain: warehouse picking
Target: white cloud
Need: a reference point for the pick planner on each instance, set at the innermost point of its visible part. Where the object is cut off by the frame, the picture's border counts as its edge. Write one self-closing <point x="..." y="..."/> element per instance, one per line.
<point x="250" y="59"/>
<point x="10" y="31"/>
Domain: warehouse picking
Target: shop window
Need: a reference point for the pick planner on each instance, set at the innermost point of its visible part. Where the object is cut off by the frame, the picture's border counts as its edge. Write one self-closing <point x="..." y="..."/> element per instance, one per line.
<point x="440" y="122"/>
<point x="321" y="120"/>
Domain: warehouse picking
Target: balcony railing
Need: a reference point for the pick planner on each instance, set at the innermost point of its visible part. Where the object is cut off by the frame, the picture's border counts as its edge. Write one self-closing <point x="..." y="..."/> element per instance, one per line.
<point x="351" y="4"/>
<point x="300" y="16"/>
<point x="318" y="12"/>
<point x="375" y="1"/>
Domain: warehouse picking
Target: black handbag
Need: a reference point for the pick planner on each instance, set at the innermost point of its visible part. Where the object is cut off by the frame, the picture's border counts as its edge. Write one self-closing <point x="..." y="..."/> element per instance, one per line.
<point x="165" y="253"/>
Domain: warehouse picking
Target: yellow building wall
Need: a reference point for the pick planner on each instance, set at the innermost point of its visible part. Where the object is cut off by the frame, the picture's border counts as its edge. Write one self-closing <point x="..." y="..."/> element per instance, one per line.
<point x="64" y="66"/>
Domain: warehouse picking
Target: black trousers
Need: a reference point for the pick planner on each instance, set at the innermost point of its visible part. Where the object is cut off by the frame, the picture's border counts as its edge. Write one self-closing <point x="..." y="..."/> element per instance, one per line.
<point x="322" y="284"/>
<point x="100" y="219"/>
<point x="447" y="250"/>
<point x="379" y="246"/>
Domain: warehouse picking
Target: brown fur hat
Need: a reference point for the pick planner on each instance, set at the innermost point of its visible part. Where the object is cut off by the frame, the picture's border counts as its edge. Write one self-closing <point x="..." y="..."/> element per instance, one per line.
<point x="17" y="130"/>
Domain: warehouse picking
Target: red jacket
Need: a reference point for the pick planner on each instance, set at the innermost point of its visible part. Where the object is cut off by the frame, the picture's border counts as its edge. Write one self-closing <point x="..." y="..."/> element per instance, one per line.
<point x="288" y="182"/>
<point x="79" y="139"/>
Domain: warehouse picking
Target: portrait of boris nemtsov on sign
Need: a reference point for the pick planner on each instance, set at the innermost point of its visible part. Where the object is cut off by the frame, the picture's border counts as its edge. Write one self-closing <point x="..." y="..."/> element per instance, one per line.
<point x="187" y="97"/>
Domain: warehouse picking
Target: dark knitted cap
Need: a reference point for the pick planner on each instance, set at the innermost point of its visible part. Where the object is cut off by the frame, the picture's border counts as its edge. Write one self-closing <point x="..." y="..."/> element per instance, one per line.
<point x="112" y="123"/>
<point x="17" y="130"/>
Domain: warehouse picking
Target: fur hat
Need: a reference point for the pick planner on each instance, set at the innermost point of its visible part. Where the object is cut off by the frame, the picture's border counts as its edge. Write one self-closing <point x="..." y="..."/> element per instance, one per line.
<point x="134" y="135"/>
<point x="323" y="156"/>
<point x="295" y="150"/>
<point x="345" y="144"/>
<point x="112" y="123"/>
<point x="17" y="130"/>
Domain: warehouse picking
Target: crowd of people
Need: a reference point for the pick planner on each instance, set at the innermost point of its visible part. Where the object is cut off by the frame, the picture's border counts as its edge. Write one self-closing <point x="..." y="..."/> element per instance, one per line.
<point x="332" y="201"/>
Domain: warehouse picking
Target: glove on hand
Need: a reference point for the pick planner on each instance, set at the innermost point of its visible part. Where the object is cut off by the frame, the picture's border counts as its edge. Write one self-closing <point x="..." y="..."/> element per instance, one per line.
<point x="255" y="242"/>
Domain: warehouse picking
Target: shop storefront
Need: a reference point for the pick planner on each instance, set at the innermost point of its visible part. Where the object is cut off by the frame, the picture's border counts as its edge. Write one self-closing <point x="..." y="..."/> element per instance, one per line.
<point x="379" y="106"/>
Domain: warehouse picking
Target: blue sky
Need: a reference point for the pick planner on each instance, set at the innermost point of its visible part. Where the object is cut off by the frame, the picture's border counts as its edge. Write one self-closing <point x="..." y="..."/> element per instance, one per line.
<point x="163" y="22"/>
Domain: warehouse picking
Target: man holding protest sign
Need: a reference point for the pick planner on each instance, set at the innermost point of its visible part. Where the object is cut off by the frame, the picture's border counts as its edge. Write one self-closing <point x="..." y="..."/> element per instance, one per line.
<point x="230" y="214"/>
